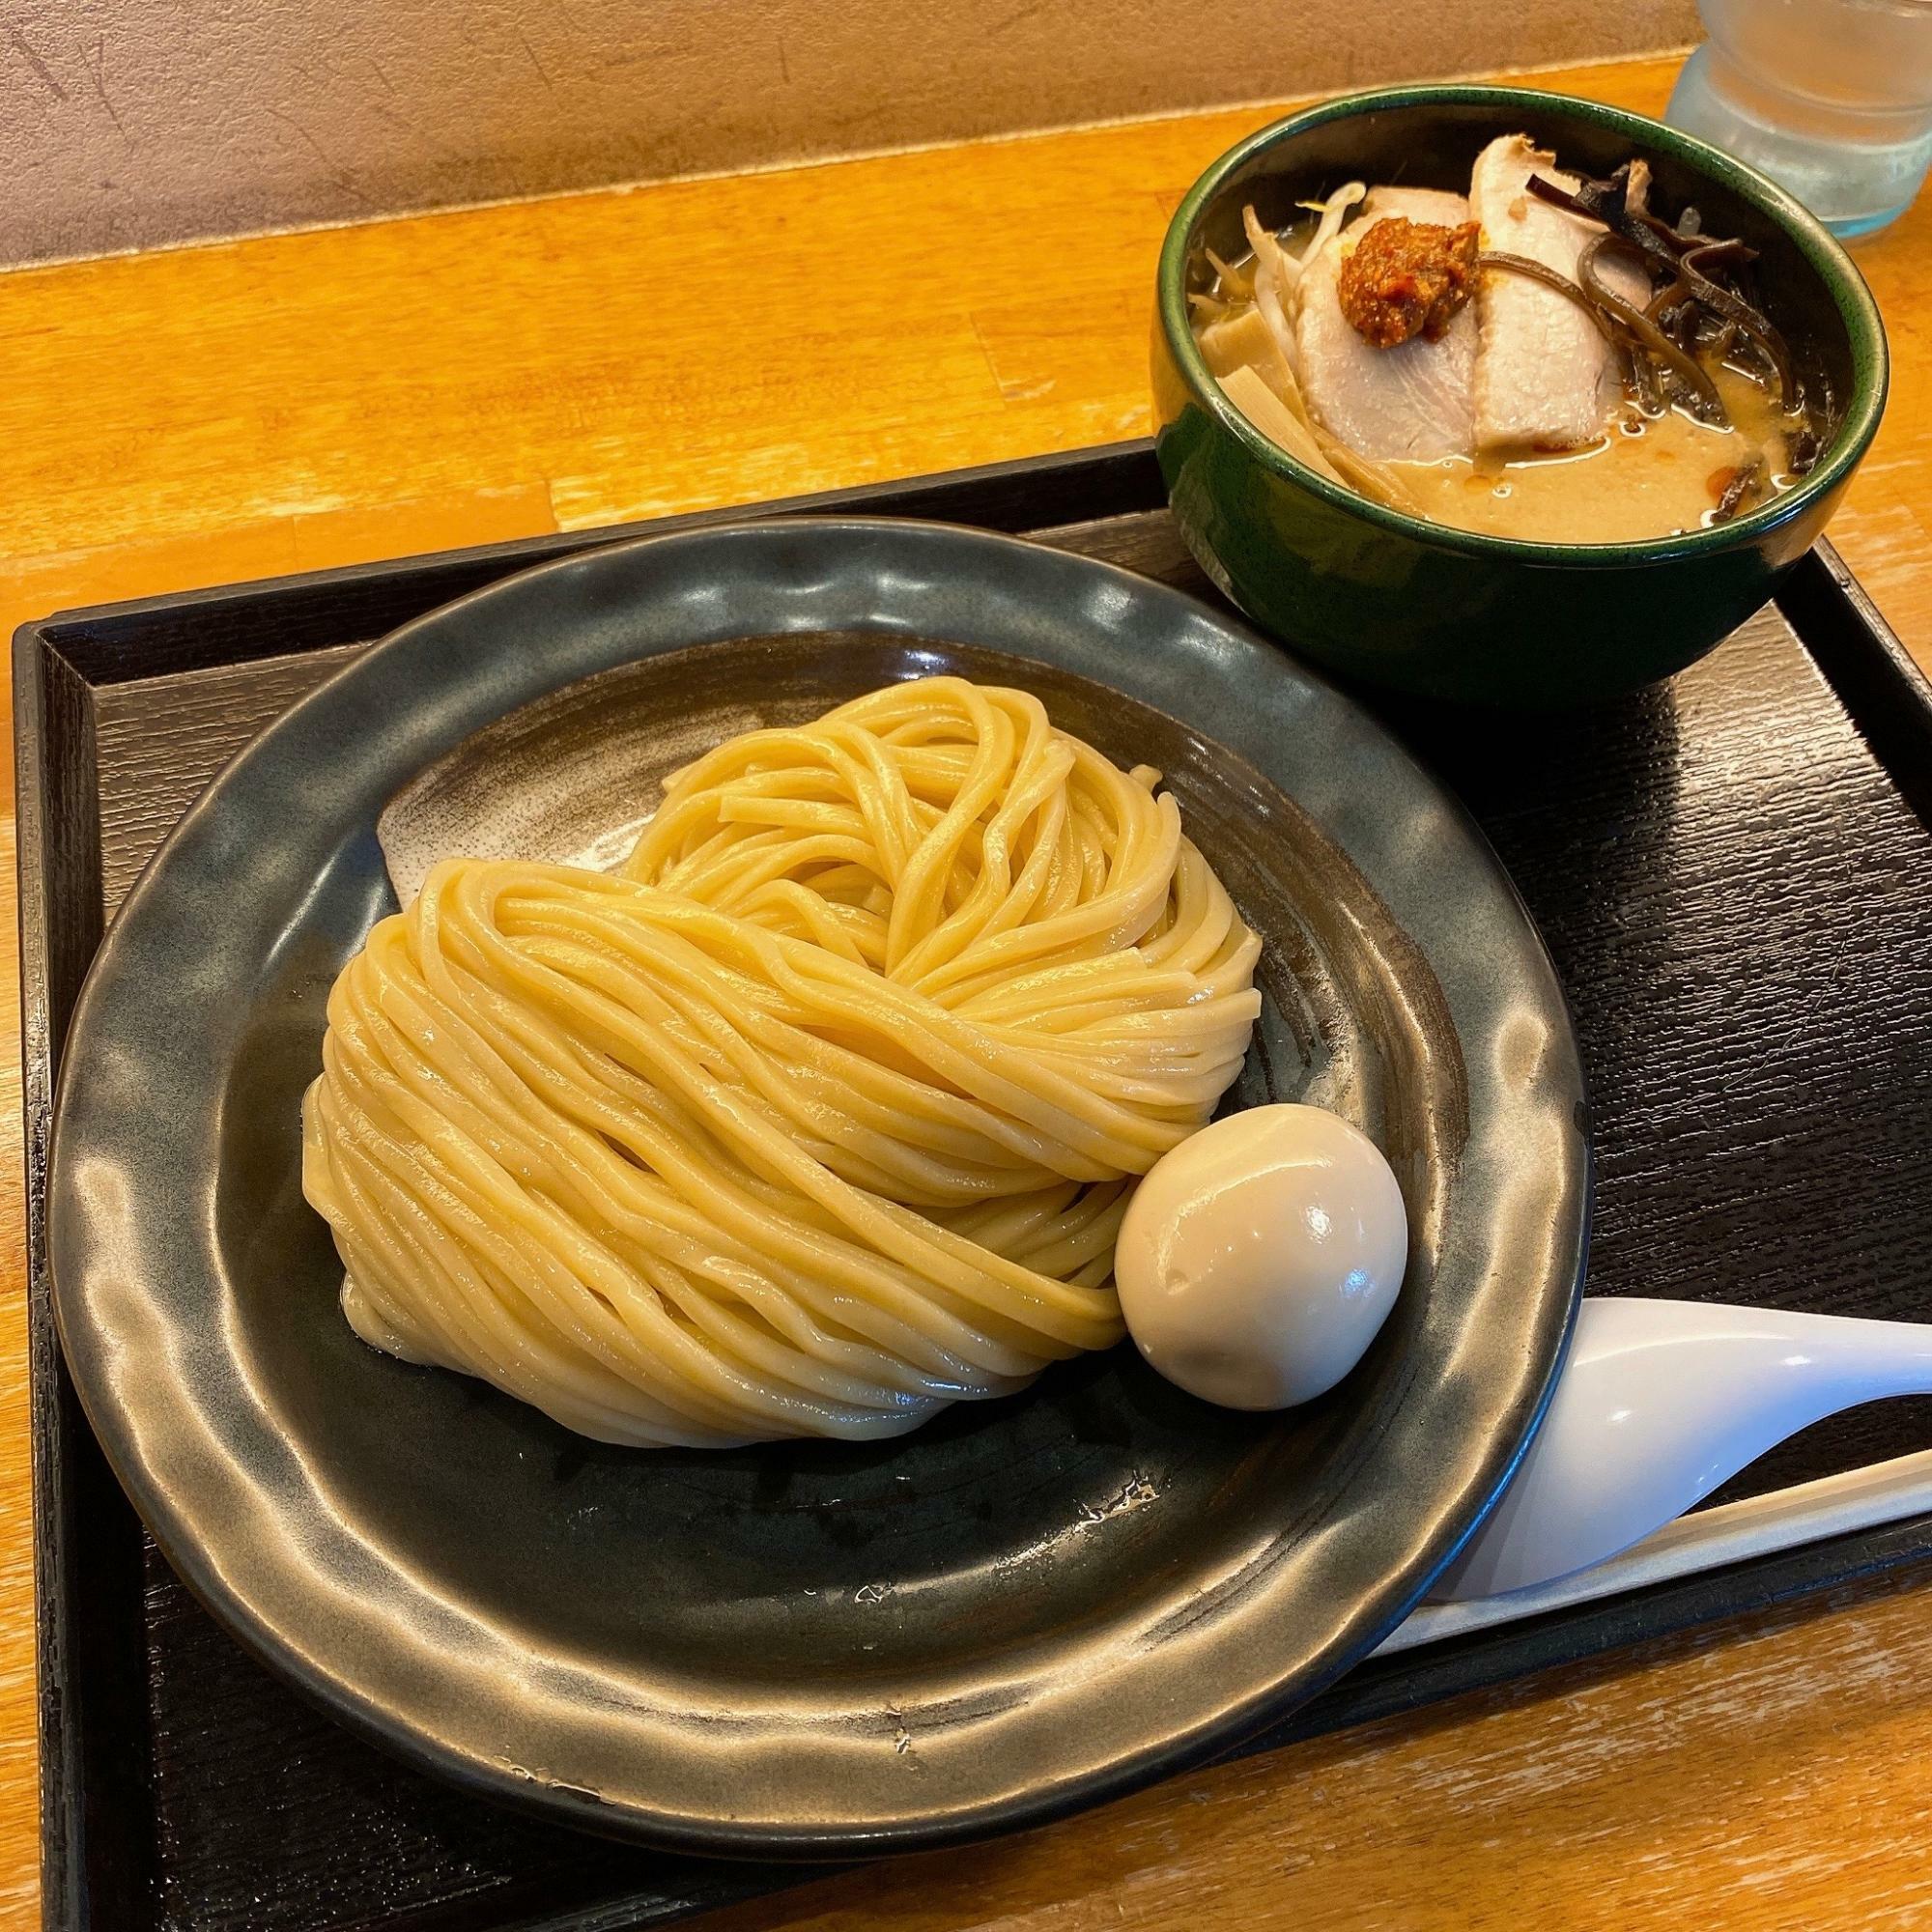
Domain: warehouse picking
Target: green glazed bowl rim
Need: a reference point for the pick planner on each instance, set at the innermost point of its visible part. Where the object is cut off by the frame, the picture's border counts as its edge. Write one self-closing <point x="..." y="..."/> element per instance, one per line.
<point x="1857" y="310"/>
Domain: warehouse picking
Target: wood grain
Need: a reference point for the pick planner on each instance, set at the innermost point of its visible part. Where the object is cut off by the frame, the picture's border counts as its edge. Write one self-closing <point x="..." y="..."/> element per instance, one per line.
<point x="213" y="412"/>
<point x="221" y="412"/>
<point x="1706" y="1780"/>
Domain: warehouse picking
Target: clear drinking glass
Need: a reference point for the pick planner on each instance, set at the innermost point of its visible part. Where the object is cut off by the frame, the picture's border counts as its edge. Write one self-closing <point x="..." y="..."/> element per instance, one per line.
<point x="1830" y="98"/>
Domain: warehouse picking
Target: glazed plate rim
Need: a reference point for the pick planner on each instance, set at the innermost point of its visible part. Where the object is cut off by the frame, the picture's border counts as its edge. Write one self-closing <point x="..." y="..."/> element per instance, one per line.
<point x="189" y="1447"/>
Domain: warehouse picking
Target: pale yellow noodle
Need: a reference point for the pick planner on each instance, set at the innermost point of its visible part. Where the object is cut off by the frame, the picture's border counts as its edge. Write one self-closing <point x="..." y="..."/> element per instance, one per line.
<point x="820" y="1115"/>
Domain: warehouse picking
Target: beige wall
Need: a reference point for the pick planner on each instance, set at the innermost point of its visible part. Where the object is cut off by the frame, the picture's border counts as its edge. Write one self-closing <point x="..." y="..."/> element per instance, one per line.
<point x="127" y="123"/>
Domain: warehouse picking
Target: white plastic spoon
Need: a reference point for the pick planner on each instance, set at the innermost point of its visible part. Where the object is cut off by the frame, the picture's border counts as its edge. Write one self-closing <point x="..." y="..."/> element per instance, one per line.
<point x="1659" y="1402"/>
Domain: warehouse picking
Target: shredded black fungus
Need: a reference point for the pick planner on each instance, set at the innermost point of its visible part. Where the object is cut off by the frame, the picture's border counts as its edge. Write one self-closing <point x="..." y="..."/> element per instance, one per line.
<point x="1742" y="490"/>
<point x="1703" y="296"/>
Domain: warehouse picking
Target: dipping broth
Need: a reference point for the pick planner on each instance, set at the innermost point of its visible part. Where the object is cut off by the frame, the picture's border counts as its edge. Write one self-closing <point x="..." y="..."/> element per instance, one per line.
<point x="1511" y="364"/>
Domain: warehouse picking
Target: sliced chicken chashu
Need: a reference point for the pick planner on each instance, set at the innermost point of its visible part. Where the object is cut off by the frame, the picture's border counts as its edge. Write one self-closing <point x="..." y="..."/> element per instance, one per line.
<point x="1544" y="375"/>
<point x="1414" y="402"/>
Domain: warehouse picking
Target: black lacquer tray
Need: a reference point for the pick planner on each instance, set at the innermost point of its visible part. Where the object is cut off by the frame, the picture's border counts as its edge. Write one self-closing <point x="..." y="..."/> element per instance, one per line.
<point x="1734" y="874"/>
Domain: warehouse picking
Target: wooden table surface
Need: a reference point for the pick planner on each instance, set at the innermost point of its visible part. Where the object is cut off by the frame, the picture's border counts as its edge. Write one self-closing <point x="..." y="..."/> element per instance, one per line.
<point x="221" y="412"/>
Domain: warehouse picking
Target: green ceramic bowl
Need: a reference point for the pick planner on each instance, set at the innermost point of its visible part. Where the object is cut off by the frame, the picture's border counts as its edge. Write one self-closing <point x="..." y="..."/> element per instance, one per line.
<point x="1392" y="600"/>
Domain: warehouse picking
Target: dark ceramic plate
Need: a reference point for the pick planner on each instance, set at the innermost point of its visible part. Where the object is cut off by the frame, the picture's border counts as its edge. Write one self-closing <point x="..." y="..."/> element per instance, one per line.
<point x="808" y="1649"/>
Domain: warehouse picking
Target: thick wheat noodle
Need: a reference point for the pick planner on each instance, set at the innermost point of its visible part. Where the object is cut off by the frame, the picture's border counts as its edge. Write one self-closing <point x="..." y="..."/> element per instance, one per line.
<point x="821" y="1114"/>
